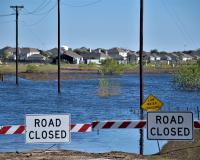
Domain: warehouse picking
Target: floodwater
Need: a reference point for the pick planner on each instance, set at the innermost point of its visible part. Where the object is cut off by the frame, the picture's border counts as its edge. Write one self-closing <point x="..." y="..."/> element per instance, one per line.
<point x="81" y="99"/>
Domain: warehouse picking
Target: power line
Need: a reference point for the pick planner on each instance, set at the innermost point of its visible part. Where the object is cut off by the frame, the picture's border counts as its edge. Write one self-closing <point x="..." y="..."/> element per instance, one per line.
<point x="41" y="19"/>
<point x="82" y="5"/>
<point x="184" y="28"/>
<point x="34" y="34"/>
<point x="6" y="15"/>
<point x="178" y="23"/>
<point x="40" y="7"/>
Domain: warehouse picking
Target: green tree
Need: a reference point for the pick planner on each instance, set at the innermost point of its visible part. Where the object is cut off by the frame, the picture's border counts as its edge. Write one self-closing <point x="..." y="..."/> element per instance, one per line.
<point x="198" y="62"/>
<point x="5" y="56"/>
<point x="154" y="51"/>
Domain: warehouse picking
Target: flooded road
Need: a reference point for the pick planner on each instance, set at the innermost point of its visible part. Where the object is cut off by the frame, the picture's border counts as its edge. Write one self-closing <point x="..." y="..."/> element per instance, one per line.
<point x="82" y="100"/>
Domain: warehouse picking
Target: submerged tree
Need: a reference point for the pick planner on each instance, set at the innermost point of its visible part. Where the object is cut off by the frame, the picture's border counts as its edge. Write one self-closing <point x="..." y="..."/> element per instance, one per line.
<point x="108" y="88"/>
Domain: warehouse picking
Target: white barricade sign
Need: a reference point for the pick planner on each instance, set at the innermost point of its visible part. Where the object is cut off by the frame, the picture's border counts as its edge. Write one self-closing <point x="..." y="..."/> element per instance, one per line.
<point x="170" y="126"/>
<point x="48" y="128"/>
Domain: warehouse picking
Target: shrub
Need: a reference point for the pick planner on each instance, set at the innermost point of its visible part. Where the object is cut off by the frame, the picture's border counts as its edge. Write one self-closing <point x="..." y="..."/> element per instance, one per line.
<point x="32" y="68"/>
<point x="110" y="66"/>
<point x="188" y="78"/>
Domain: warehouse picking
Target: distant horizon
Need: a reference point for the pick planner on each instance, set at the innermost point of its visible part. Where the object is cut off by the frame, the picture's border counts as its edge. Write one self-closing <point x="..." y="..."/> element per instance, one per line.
<point x="103" y="48"/>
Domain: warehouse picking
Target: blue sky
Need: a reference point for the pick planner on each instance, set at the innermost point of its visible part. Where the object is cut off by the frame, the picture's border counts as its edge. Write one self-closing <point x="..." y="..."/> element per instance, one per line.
<point x="169" y="25"/>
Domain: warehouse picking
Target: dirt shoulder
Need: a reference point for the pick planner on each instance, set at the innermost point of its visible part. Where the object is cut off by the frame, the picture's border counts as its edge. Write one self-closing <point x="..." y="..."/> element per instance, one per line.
<point x="68" y="155"/>
<point x="176" y="150"/>
<point x="77" y="74"/>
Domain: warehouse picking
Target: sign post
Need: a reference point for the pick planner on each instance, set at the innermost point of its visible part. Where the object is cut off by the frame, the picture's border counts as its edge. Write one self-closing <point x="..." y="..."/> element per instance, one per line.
<point x="170" y="126"/>
<point x="152" y="104"/>
<point x="48" y="128"/>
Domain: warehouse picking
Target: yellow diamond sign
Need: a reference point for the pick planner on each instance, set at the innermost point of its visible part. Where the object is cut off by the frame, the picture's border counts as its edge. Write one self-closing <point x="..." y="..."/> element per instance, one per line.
<point x="152" y="104"/>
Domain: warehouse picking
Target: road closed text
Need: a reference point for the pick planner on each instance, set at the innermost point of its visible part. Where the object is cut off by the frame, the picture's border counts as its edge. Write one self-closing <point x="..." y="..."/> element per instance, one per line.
<point x="47" y="128"/>
<point x="50" y="134"/>
<point x="170" y="126"/>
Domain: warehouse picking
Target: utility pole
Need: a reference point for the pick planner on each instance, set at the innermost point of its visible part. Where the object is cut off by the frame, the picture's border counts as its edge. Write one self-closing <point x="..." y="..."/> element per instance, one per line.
<point x="59" y="91"/>
<point x="141" y="75"/>
<point x="17" y="8"/>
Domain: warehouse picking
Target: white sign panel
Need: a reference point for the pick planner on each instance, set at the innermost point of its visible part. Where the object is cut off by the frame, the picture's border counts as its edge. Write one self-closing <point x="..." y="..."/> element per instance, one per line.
<point x="170" y="126"/>
<point x="48" y="128"/>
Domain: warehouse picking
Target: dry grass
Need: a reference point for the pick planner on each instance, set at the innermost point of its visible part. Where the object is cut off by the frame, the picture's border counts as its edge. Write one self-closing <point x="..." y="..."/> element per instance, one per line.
<point x="41" y="68"/>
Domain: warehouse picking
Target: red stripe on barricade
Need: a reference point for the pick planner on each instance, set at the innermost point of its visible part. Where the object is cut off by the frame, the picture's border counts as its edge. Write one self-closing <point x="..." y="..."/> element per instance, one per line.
<point x="4" y="129"/>
<point x="94" y="124"/>
<point x="196" y="124"/>
<point x="108" y="125"/>
<point x="9" y="129"/>
<point x="125" y="124"/>
<point x="20" y="130"/>
<point x="72" y="126"/>
<point x="141" y="124"/>
<point x="84" y="128"/>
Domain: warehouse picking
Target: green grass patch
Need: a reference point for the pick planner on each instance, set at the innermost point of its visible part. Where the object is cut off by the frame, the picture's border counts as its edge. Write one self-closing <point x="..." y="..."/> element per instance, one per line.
<point x="90" y="66"/>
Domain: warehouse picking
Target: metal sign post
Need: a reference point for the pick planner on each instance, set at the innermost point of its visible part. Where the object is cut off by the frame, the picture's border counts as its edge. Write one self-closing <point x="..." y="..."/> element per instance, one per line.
<point x="141" y="75"/>
<point x="17" y="8"/>
<point x="59" y="91"/>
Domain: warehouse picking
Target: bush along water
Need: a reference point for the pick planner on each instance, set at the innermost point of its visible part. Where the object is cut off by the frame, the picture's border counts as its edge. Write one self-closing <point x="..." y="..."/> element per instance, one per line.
<point x="188" y="77"/>
<point x="32" y="68"/>
<point x="110" y="67"/>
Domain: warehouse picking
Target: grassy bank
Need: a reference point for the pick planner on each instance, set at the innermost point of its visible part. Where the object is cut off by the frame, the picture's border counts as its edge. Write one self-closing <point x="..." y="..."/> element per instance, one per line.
<point x="88" y="68"/>
<point x="34" y="68"/>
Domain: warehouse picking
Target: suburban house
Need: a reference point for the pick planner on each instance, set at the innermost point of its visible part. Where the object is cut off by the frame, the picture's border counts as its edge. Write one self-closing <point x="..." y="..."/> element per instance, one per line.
<point x="118" y="58"/>
<point x="52" y="52"/>
<point x="94" y="57"/>
<point x="25" y="53"/>
<point x="82" y="50"/>
<point x="185" y="57"/>
<point x="153" y="57"/>
<point x="71" y="57"/>
<point x="165" y="58"/>
<point x="175" y="57"/>
<point x="36" y="58"/>
<point x="133" y="58"/>
<point x="118" y="53"/>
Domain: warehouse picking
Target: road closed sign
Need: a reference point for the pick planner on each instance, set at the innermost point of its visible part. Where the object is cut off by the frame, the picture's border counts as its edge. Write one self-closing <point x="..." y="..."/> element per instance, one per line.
<point x="48" y="128"/>
<point x="170" y="126"/>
